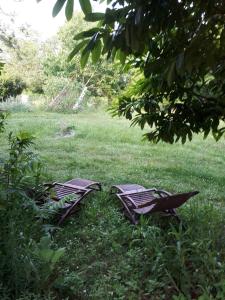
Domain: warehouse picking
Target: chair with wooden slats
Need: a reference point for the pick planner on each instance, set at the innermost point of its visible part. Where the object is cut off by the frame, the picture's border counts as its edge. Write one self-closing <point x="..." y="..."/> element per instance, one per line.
<point x="138" y="200"/>
<point x="77" y="188"/>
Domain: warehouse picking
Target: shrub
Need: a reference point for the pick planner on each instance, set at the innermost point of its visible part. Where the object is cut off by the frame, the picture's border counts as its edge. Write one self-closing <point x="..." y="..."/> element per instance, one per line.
<point x="3" y="116"/>
<point x="10" y="87"/>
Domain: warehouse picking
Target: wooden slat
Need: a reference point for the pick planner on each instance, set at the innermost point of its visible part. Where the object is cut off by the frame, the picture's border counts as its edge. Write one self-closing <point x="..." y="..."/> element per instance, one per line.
<point x="139" y="198"/>
<point x="139" y="192"/>
<point x="62" y="190"/>
<point x="70" y="186"/>
<point x="127" y="187"/>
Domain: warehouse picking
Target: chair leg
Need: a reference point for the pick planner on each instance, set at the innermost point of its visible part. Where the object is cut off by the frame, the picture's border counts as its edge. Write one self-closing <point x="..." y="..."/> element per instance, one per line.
<point x="131" y="216"/>
<point x="96" y="187"/>
<point x="70" y="209"/>
<point x="100" y="186"/>
<point x="66" y="214"/>
<point x="172" y="212"/>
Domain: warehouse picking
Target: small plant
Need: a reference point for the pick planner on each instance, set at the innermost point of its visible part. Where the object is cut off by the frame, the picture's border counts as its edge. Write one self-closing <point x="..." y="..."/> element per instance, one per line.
<point x="3" y="116"/>
<point x="48" y="259"/>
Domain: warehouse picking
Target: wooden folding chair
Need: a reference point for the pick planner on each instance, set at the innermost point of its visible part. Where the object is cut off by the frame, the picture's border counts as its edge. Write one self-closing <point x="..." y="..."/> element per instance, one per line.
<point x="77" y="188"/>
<point x="137" y="200"/>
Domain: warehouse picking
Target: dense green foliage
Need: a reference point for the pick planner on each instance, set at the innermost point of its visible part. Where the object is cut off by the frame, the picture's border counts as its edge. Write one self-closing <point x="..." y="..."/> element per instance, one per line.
<point x="105" y="256"/>
<point x="10" y="87"/>
<point x="178" y="46"/>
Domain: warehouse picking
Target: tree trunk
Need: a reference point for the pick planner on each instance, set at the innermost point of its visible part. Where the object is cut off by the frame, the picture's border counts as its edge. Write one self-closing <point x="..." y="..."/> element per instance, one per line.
<point x="77" y="105"/>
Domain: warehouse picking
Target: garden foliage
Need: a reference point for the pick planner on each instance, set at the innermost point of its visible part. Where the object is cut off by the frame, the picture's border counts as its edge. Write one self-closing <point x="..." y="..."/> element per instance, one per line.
<point x="10" y="87"/>
<point x="28" y="262"/>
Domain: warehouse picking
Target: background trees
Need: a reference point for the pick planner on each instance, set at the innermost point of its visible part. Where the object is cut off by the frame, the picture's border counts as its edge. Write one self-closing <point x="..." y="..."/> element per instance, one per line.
<point x="11" y="81"/>
<point x="178" y="47"/>
<point x="67" y="83"/>
<point x="43" y="68"/>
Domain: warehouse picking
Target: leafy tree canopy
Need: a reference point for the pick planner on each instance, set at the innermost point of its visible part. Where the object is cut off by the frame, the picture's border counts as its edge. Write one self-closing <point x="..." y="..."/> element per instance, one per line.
<point x="178" y="46"/>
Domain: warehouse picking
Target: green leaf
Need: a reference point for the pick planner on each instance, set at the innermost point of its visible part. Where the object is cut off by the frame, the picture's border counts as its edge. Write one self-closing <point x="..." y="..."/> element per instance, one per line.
<point x="171" y="73"/>
<point x="84" y="59"/>
<point x="57" y="255"/>
<point x="180" y="63"/>
<point x="190" y="135"/>
<point x="76" y="49"/>
<point x="222" y="39"/>
<point x="206" y="132"/>
<point x="85" y="6"/>
<point x="138" y="16"/>
<point x="1" y="66"/>
<point x="94" y="17"/>
<point x="87" y="33"/>
<point x="57" y="7"/>
<point x="121" y="56"/>
<point x="90" y="46"/>
<point x="183" y="139"/>
<point x="96" y="52"/>
<point x="114" y="51"/>
<point x="69" y="9"/>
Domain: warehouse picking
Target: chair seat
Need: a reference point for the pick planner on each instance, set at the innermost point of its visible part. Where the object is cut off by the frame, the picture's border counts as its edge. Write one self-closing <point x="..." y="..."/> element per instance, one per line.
<point x="138" y="198"/>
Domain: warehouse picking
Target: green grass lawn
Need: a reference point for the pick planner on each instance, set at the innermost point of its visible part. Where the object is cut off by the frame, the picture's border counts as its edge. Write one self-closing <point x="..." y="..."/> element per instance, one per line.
<point x="107" y="257"/>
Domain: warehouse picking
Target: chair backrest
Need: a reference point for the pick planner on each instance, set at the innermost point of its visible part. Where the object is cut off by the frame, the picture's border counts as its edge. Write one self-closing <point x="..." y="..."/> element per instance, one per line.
<point x="149" y="197"/>
<point x="170" y="202"/>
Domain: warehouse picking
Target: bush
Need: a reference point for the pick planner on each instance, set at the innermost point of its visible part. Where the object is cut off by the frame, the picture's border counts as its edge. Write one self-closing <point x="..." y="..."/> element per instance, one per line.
<point x="10" y="87"/>
<point x="3" y="116"/>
